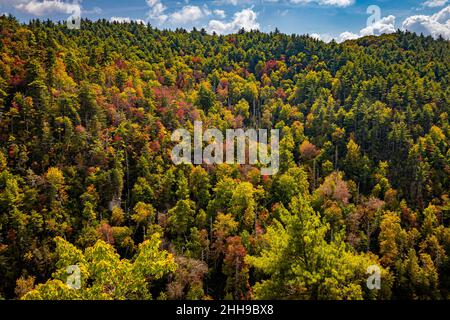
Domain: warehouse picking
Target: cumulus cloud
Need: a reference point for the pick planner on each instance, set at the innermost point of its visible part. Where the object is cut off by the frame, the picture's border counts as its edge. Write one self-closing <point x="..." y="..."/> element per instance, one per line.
<point x="243" y="19"/>
<point x="384" y="25"/>
<point x="327" y="38"/>
<point x="157" y="11"/>
<point x="40" y="8"/>
<point x="344" y="36"/>
<point x="188" y="14"/>
<point x="434" y="25"/>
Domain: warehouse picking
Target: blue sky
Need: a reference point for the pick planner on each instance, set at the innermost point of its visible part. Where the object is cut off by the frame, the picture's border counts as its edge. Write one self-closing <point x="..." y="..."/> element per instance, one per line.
<point x="325" y="19"/>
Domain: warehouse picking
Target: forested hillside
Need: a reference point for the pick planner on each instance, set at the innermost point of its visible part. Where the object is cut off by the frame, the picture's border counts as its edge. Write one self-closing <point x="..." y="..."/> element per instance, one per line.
<point x="86" y="176"/>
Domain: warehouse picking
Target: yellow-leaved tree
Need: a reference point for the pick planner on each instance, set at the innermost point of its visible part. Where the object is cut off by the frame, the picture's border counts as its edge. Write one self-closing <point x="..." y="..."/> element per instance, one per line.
<point x="102" y="274"/>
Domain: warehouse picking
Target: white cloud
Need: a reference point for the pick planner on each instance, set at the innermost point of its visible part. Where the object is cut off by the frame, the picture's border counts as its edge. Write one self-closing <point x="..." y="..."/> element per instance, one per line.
<point x="40" y="8"/>
<point x="384" y="25"/>
<point x="333" y="3"/>
<point x="243" y="19"/>
<point x="327" y="38"/>
<point x="188" y="14"/>
<point x="235" y="2"/>
<point x="156" y="12"/>
<point x="344" y="36"/>
<point x="434" y="25"/>
<point x="323" y="37"/>
<point x="120" y="19"/>
<point x="435" y="3"/>
<point x="125" y="20"/>
<point x="220" y="13"/>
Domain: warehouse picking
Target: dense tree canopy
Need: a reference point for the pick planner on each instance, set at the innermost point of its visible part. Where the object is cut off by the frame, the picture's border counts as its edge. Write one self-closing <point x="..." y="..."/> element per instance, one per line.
<point x="86" y="178"/>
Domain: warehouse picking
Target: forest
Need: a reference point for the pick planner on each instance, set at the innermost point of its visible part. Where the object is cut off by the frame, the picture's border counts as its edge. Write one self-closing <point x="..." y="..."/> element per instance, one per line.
<point x="86" y="177"/>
